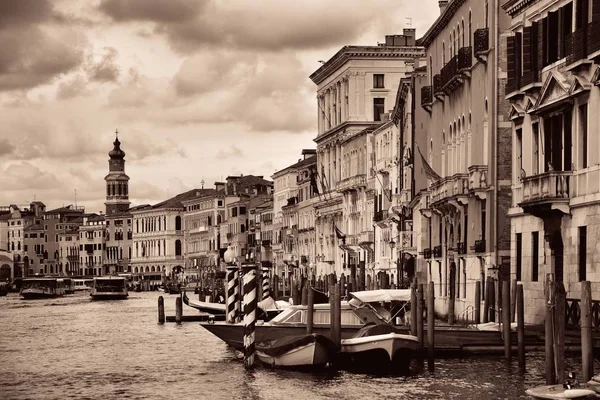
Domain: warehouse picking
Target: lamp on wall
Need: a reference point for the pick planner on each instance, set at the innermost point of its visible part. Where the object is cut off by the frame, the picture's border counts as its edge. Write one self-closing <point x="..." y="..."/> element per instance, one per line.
<point x="229" y="256"/>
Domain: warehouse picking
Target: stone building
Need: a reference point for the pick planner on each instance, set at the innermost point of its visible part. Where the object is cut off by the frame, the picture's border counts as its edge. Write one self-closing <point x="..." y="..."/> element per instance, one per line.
<point x="68" y="248"/>
<point x="469" y="143"/>
<point x="92" y="245"/>
<point x="553" y="89"/>
<point x="55" y="222"/>
<point x="356" y="89"/>
<point x="21" y="218"/>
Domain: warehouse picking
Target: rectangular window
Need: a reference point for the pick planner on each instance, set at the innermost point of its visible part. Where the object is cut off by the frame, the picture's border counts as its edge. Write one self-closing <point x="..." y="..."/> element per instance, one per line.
<point x="535" y="133"/>
<point x="519" y="145"/>
<point x="378" y="108"/>
<point x="583" y="135"/>
<point x="483" y="219"/>
<point x="535" y="248"/>
<point x="519" y="256"/>
<point x="378" y="81"/>
<point x="581" y="253"/>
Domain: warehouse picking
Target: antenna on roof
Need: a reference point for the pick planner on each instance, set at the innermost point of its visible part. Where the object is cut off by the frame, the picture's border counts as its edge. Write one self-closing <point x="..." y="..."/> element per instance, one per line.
<point x="408" y="22"/>
<point x="117" y="133"/>
<point x="202" y="183"/>
<point x="75" y="198"/>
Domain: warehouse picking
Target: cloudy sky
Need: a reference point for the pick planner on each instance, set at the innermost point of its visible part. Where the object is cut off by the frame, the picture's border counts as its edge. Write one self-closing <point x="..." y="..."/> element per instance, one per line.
<point x="197" y="89"/>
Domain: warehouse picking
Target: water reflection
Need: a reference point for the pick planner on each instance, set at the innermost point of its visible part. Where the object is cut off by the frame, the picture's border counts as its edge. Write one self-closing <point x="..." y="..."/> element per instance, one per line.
<point x="73" y="348"/>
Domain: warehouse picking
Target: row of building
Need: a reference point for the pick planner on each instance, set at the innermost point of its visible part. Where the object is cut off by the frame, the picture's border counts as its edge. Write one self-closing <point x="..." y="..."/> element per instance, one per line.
<point x="465" y="154"/>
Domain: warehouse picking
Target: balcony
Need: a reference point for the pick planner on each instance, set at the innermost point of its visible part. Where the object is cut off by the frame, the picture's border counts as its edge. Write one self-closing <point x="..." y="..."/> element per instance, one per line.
<point x="450" y="76"/>
<point x="546" y="193"/>
<point x="266" y="243"/>
<point x="437" y="87"/>
<point x="352" y="183"/>
<point x="427" y="253"/>
<point x="461" y="248"/>
<point x="456" y="186"/>
<point x="465" y="59"/>
<point x="408" y="242"/>
<point x="437" y="251"/>
<point x="383" y="163"/>
<point x="199" y="229"/>
<point x="478" y="182"/>
<point x="381" y="215"/>
<point x="427" y="97"/>
<point x="479" y="246"/>
<point x="481" y="40"/>
<point x="367" y="237"/>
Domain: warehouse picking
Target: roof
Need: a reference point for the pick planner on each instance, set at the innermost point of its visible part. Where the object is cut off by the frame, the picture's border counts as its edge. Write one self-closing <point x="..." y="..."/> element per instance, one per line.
<point x="347" y="53"/>
<point x="206" y="193"/>
<point x="95" y="218"/>
<point x="440" y="23"/>
<point x="5" y="258"/>
<point x="34" y="227"/>
<point x="302" y="163"/>
<point x="5" y="217"/>
<point x="176" y="202"/>
<point x="66" y="209"/>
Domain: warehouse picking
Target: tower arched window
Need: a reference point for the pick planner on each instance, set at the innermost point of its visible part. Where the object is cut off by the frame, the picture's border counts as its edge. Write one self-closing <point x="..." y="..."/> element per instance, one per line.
<point x="462" y="32"/>
<point x="178" y="223"/>
<point x="119" y="188"/>
<point x="178" y="247"/>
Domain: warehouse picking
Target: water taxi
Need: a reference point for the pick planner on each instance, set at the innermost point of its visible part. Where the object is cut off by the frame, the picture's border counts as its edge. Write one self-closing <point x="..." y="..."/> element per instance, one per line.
<point x="109" y="288"/>
<point x="39" y="288"/>
<point x="83" y="284"/>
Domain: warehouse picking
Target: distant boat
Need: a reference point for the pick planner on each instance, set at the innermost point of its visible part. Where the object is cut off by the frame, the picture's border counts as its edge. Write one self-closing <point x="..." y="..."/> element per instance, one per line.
<point x="310" y="350"/>
<point x="109" y="288"/>
<point x="40" y="288"/>
<point x="82" y="284"/>
<point x="69" y="285"/>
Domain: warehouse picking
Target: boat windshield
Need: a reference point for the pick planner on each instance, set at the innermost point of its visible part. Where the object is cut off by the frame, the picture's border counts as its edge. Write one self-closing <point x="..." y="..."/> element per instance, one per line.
<point x="109" y="285"/>
<point x="297" y="315"/>
<point x="384" y="304"/>
<point x="38" y="283"/>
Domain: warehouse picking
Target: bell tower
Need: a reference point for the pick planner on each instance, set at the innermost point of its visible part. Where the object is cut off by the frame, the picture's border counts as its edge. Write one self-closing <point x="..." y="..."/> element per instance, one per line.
<point x="117" y="182"/>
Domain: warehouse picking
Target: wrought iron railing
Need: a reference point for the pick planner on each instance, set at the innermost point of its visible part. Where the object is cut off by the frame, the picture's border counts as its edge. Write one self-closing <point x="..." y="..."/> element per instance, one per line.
<point x="426" y="95"/>
<point x="481" y="40"/>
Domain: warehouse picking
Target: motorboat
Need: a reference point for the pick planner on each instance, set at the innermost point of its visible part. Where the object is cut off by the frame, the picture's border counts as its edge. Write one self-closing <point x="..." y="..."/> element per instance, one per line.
<point x="81" y="285"/>
<point x="303" y="351"/>
<point x="204" y="306"/>
<point x="569" y="390"/>
<point x="69" y="285"/>
<point x="268" y="308"/>
<point x="109" y="288"/>
<point x="40" y="288"/>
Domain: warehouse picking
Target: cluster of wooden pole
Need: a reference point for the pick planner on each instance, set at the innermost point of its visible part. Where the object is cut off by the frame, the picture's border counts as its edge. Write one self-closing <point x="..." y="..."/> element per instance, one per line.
<point x="419" y="305"/>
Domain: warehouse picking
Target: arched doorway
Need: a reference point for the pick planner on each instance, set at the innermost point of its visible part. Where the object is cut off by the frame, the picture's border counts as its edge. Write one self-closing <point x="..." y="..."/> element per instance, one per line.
<point x="4" y="273"/>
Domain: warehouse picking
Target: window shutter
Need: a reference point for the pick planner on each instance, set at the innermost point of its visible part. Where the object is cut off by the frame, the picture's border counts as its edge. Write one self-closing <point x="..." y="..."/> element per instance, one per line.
<point x="510" y="60"/>
<point x="533" y="50"/>
<point x="527" y="67"/>
<point x="541" y="36"/>
<point x="518" y="56"/>
<point x="596" y="10"/>
<point x="553" y="43"/>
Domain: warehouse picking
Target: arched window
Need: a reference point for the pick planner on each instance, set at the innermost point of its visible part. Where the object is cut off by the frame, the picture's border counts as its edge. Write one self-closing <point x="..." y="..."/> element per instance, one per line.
<point x="470" y="28"/>
<point x="178" y="223"/>
<point x="242" y="228"/>
<point x="486" y="11"/>
<point x="443" y="53"/>
<point x="430" y="70"/>
<point x="178" y="247"/>
<point x="18" y="245"/>
<point x="209" y="221"/>
<point x="462" y="32"/>
<point x="218" y="219"/>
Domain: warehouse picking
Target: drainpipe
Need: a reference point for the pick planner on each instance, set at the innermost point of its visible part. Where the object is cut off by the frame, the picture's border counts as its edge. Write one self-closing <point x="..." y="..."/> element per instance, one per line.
<point x="494" y="141"/>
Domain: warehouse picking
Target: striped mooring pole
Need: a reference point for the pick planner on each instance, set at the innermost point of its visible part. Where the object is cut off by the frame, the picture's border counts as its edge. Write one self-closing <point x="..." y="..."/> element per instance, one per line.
<point x="232" y="294"/>
<point x="266" y="286"/>
<point x="250" y="303"/>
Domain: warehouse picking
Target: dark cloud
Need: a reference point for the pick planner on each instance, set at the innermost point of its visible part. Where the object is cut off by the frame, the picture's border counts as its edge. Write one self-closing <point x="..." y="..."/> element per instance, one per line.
<point x="25" y="175"/>
<point x="6" y="148"/>
<point x="269" y="25"/>
<point x="232" y="152"/>
<point x="33" y="51"/>
<point x="105" y="70"/>
<point x="75" y="86"/>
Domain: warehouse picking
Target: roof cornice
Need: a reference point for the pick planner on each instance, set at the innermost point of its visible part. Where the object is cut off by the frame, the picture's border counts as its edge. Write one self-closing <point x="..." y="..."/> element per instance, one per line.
<point x="514" y="7"/>
<point x="440" y="23"/>
<point x="348" y="53"/>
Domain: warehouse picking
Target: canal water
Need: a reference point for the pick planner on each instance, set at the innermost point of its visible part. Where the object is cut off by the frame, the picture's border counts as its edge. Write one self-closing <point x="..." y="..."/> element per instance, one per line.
<point x="73" y="348"/>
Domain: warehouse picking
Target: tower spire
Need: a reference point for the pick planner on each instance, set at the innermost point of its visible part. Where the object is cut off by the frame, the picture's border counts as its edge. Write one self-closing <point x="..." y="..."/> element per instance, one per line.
<point x="116" y="133"/>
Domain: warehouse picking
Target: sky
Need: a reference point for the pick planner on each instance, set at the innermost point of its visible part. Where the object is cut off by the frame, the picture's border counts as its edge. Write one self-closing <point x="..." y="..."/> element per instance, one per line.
<point x="198" y="90"/>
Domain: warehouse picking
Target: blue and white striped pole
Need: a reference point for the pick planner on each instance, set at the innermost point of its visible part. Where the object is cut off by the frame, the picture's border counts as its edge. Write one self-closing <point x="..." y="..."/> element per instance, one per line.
<point x="250" y="304"/>
<point x="232" y="294"/>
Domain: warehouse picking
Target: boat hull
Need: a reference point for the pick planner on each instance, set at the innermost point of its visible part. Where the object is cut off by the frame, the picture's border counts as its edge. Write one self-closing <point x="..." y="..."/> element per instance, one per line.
<point x="390" y="352"/>
<point x="312" y="354"/>
<point x="559" y="392"/>
<point x="109" y="296"/>
<point x="29" y="294"/>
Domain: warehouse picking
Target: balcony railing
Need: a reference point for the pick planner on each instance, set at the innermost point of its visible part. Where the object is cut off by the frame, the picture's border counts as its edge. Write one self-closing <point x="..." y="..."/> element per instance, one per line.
<point x="426" y="96"/>
<point x="437" y="251"/>
<point x="266" y="243"/>
<point x="380" y="215"/>
<point x="456" y="185"/>
<point x="437" y="86"/>
<point x="449" y="72"/>
<point x="461" y="248"/>
<point x="408" y="240"/>
<point x="481" y="39"/>
<point x="352" y="183"/>
<point x="465" y="58"/>
<point x="546" y="187"/>
<point x="367" y="237"/>
<point x="427" y="253"/>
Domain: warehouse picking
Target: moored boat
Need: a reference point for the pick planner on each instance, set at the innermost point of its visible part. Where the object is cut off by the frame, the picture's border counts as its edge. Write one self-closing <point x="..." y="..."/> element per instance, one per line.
<point x="570" y="390"/>
<point x="80" y="284"/>
<point x="304" y="351"/>
<point x="109" y="288"/>
<point x="40" y="288"/>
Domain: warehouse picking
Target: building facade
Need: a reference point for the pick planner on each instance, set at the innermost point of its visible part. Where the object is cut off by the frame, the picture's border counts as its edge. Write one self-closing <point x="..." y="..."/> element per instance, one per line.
<point x="553" y="88"/>
<point x="356" y="89"/>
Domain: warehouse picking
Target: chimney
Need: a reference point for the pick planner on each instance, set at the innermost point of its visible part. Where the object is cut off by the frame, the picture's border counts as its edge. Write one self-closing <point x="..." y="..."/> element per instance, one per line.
<point x="410" y="35"/>
<point x="443" y="4"/>
<point x="219" y="186"/>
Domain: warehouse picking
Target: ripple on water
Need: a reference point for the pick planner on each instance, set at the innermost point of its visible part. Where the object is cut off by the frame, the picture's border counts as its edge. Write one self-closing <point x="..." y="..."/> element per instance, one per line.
<point x="73" y="348"/>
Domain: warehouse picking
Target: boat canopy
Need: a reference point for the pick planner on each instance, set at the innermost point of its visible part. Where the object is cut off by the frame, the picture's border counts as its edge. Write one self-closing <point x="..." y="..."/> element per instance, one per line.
<point x="376" y="296"/>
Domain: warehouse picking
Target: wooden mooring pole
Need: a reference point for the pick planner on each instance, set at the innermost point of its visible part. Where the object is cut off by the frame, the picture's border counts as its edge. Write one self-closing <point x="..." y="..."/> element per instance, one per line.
<point x="420" y="316"/>
<point x="431" y="326"/>
<point x="336" y="315"/>
<point x="232" y="294"/>
<point x="178" y="309"/>
<point x="506" y="320"/>
<point x="477" y="303"/>
<point x="520" y="308"/>
<point x="587" y="344"/>
<point x="513" y="299"/>
<point x="250" y="303"/>
<point x="310" y="309"/>
<point x="560" y="313"/>
<point x="486" y="301"/>
<point x="413" y="308"/>
<point x="549" y="331"/>
<point x="161" y="310"/>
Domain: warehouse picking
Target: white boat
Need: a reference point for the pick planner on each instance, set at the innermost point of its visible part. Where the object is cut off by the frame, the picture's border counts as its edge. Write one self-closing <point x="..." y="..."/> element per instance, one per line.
<point x="82" y="284"/>
<point x="269" y="307"/>
<point x="109" y="288"/>
<point x="39" y="288"/>
<point x="570" y="390"/>
<point x="379" y="346"/>
<point x="310" y="350"/>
